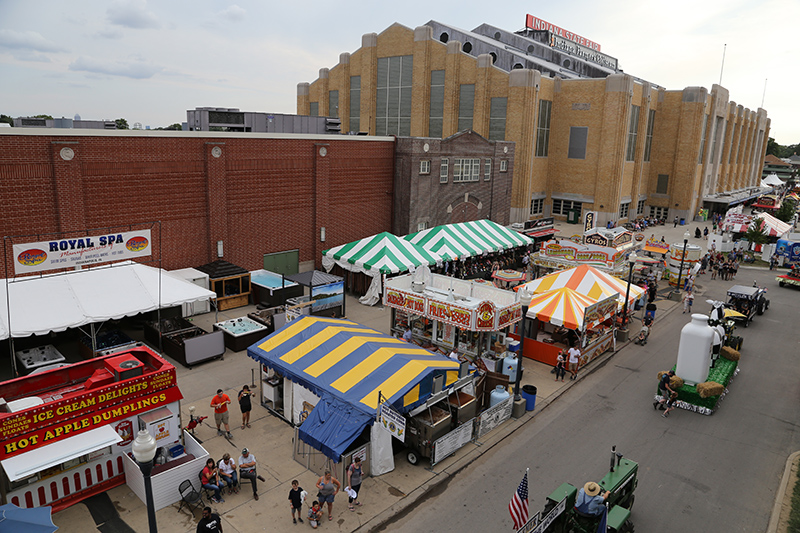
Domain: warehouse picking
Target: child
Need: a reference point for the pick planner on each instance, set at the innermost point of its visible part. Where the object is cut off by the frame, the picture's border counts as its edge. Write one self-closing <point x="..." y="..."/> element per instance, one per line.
<point x="688" y="300"/>
<point x="314" y="514"/>
<point x="296" y="501"/>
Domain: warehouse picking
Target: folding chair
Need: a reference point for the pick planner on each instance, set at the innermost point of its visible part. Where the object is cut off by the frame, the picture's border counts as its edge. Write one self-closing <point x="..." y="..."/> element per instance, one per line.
<point x="189" y="496"/>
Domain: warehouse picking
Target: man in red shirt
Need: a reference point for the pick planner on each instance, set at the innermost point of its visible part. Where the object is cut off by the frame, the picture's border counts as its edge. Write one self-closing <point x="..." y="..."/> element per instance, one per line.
<point x="220" y="404"/>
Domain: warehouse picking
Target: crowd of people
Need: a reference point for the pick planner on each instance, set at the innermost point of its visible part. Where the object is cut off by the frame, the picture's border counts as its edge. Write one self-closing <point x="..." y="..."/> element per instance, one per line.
<point x="482" y="266"/>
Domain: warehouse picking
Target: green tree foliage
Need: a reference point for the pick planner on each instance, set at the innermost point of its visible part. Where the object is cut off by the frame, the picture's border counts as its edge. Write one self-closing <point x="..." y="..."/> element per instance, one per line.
<point x="48" y="117"/>
<point x="175" y="126"/>
<point x="6" y="119"/>
<point x="122" y="124"/>
<point x="757" y="232"/>
<point x="778" y="150"/>
<point x="786" y="210"/>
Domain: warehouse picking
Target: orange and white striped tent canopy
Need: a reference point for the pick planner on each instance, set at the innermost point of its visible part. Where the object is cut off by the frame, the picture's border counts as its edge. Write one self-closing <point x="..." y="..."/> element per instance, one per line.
<point x="587" y="281"/>
<point x="561" y="307"/>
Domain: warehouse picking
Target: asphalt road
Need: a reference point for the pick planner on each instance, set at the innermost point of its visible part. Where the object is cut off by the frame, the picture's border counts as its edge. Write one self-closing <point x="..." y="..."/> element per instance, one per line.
<point x="699" y="473"/>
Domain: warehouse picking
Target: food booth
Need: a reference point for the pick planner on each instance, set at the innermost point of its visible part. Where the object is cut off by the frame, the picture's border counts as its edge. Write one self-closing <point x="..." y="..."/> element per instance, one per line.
<point x="448" y="313"/>
<point x="66" y="434"/>
<point x="540" y="230"/>
<point x="325" y="376"/>
<point x="563" y="317"/>
<point x="618" y="238"/>
<point x="562" y="254"/>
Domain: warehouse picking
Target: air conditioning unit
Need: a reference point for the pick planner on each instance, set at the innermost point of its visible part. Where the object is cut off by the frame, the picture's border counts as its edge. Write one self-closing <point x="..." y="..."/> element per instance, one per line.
<point x="124" y="367"/>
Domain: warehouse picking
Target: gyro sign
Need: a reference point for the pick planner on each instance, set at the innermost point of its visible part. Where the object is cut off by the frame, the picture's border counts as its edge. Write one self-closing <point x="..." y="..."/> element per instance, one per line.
<point x="72" y="252"/>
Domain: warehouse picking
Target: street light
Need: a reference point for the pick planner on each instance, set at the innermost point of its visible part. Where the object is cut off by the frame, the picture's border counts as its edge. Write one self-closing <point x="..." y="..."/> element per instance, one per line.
<point x="683" y="257"/>
<point x="632" y="262"/>
<point x="144" y="450"/>
<point x="525" y="299"/>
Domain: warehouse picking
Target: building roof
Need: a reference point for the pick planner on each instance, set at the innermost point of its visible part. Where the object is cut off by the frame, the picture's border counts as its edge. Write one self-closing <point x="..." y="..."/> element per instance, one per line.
<point x="221" y="269"/>
<point x="771" y="159"/>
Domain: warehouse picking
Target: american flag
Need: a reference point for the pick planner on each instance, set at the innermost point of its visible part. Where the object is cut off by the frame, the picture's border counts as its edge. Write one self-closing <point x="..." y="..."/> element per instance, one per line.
<point x="519" y="504"/>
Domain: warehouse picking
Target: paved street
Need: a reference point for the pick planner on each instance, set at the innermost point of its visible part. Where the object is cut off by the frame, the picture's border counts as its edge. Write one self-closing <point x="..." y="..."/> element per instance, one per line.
<point x="697" y="473"/>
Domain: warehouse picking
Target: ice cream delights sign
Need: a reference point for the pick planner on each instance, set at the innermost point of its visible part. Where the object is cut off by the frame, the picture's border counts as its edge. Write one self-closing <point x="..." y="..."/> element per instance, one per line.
<point x="72" y="252"/>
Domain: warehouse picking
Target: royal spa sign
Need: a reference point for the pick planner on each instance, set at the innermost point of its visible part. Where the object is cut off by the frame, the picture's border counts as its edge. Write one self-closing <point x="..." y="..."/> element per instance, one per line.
<point x="64" y="418"/>
<point x="68" y="253"/>
<point x="538" y="24"/>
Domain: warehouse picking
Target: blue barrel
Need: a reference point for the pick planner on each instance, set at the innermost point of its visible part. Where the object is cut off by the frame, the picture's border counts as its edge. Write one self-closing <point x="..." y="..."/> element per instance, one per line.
<point x="498" y="395"/>
<point x="529" y="393"/>
<point x="510" y="366"/>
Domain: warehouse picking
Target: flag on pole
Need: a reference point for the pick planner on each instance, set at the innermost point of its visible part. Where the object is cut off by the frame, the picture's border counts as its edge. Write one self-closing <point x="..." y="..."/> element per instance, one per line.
<point x="602" y="527"/>
<point x="518" y="507"/>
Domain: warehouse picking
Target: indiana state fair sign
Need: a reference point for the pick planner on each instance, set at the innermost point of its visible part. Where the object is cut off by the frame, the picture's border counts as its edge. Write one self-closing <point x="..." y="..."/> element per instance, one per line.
<point x="68" y="253"/>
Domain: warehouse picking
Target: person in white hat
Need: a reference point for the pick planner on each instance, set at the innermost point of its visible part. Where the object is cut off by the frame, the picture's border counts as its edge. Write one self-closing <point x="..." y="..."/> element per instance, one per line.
<point x="589" y="501"/>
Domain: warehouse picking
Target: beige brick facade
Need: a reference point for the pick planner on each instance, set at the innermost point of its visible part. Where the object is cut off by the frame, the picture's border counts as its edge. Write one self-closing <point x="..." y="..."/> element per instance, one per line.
<point x="674" y="180"/>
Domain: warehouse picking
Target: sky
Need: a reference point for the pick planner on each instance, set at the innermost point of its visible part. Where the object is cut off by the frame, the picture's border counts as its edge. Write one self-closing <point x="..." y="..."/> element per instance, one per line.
<point x="150" y="61"/>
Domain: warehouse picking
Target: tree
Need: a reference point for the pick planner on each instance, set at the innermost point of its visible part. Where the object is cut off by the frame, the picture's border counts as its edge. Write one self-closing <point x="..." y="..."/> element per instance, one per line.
<point x="786" y="210"/>
<point x="757" y="232"/>
<point x="6" y="119"/>
<point x="175" y="126"/>
<point x="48" y="117"/>
<point x="122" y="124"/>
<point x="774" y="148"/>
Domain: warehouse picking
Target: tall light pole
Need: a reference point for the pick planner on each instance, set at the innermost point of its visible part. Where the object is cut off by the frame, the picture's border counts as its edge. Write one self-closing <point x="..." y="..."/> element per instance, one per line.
<point x="525" y="299"/>
<point x="632" y="262"/>
<point x="683" y="258"/>
<point x="144" y="450"/>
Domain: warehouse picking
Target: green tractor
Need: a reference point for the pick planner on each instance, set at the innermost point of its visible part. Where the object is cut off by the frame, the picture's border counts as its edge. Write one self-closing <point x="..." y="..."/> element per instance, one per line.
<point x="560" y="516"/>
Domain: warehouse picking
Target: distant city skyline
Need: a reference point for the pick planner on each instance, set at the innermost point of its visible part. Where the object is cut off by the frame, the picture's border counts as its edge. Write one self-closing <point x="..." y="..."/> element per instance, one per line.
<point x="150" y="62"/>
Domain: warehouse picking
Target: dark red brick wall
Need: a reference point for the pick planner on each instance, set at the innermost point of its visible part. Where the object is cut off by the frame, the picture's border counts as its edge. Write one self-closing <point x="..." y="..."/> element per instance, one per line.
<point x="259" y="196"/>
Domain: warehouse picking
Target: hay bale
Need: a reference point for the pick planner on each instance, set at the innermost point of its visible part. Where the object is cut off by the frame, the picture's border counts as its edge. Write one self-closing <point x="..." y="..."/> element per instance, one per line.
<point x="675" y="382"/>
<point x="710" y="388"/>
<point x="729" y="353"/>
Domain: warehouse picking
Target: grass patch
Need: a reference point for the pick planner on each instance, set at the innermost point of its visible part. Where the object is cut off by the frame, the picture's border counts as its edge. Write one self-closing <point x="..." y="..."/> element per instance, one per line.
<point x="793" y="524"/>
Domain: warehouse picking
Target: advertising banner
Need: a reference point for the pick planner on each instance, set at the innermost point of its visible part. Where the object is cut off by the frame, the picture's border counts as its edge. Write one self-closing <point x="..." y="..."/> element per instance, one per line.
<point x="69" y="253"/>
<point x="392" y="421"/>
<point x="327" y="296"/>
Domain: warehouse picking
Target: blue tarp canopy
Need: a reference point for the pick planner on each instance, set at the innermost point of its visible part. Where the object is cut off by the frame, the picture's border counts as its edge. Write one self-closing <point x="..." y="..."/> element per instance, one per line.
<point x="347" y="365"/>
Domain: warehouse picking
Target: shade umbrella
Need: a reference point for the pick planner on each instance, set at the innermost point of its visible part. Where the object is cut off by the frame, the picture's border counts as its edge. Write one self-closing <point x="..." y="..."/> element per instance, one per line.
<point x="588" y="281"/>
<point x="34" y="520"/>
<point x="509" y="275"/>
<point x="561" y="307"/>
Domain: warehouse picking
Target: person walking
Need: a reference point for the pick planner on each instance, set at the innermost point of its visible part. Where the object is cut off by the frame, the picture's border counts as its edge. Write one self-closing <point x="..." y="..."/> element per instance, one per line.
<point x="665" y="388"/>
<point x="574" y="359"/>
<point x="220" y="404"/>
<point x="296" y="501"/>
<point x="675" y="222"/>
<point x="688" y="300"/>
<point x="245" y="406"/>
<point x="328" y="488"/>
<point x="210" y="523"/>
<point x="561" y="365"/>
<point x="354" y="478"/>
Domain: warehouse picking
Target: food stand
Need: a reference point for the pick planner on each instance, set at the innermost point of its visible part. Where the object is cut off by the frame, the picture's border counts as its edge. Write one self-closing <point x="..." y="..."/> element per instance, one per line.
<point x="562" y="254"/>
<point x="64" y="433"/>
<point x="560" y="317"/>
<point x="449" y="313"/>
<point x="618" y="238"/>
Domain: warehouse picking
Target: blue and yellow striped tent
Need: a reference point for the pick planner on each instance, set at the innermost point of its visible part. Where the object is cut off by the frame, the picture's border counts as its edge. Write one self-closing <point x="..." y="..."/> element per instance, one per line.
<point x="347" y="365"/>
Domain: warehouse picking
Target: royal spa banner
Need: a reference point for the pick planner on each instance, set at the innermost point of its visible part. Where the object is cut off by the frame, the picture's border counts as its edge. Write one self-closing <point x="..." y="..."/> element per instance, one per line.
<point x="68" y="253"/>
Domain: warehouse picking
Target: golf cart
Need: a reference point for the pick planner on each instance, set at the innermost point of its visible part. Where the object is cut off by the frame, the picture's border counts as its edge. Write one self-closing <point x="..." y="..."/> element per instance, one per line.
<point x="749" y="301"/>
<point x="560" y="516"/>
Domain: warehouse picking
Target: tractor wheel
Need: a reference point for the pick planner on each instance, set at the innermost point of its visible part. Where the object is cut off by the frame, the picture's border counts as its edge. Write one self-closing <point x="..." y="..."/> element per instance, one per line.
<point x="766" y="305"/>
<point x="627" y="527"/>
<point x="629" y="504"/>
<point x="413" y="458"/>
<point x="781" y="284"/>
<point x="760" y="308"/>
<point x="739" y="344"/>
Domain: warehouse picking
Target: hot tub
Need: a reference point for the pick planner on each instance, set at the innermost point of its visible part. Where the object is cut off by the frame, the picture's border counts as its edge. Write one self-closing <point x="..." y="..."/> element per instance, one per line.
<point x="241" y="332"/>
<point x="271" y="289"/>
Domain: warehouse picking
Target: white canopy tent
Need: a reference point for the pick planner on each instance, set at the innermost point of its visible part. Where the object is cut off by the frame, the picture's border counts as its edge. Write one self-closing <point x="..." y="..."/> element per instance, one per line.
<point x="56" y="302"/>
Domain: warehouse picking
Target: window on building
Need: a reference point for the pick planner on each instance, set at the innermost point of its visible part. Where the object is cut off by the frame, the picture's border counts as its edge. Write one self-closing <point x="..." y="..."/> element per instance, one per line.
<point x="422" y="226"/>
<point x="537" y="206"/>
<point x="504" y="165"/>
<point x="633" y="132"/>
<point x="333" y="104"/>
<point x="437" y="104"/>
<point x="355" y="103"/>
<point x="497" y="119"/>
<point x="313" y="109"/>
<point x="425" y="166"/>
<point x="562" y="207"/>
<point x="648" y="140"/>
<point x="624" y="210"/>
<point x="466" y="105"/>
<point x="702" y="141"/>
<point x="443" y="170"/>
<point x="543" y="128"/>
<point x="393" y="96"/>
<point x="465" y="169"/>
<point x="577" y="142"/>
<point x="640" y="207"/>
<point x="659" y="212"/>
<point x="662" y="185"/>
<point x="718" y="129"/>
<point x="487" y="169"/>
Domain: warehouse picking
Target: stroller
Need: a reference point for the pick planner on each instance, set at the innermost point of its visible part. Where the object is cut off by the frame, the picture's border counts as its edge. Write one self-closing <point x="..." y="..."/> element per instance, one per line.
<point x="641" y="337"/>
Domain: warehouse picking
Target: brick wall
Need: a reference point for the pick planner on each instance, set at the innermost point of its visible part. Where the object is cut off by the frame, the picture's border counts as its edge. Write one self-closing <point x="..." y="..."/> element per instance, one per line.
<point x="257" y="193"/>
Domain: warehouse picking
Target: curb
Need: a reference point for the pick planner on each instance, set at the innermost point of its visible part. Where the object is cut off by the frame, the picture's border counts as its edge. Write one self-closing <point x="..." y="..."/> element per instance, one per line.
<point x="417" y="496"/>
<point x="781" y="495"/>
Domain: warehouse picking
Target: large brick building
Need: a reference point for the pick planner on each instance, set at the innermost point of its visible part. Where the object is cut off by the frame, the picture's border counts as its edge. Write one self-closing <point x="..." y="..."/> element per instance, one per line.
<point x="612" y="144"/>
<point x="257" y="193"/>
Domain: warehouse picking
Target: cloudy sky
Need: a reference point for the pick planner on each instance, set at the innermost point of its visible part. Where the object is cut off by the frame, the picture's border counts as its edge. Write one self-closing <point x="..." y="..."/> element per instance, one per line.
<point x="150" y="61"/>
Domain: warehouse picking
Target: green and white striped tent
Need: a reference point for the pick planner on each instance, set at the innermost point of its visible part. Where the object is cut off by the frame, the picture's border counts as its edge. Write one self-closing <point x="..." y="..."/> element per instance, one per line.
<point x="384" y="253"/>
<point x="467" y="239"/>
<point x="374" y="256"/>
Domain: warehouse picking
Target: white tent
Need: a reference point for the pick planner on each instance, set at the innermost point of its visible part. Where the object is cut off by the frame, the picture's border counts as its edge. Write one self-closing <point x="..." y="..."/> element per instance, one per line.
<point x="39" y="305"/>
<point x="771" y="181"/>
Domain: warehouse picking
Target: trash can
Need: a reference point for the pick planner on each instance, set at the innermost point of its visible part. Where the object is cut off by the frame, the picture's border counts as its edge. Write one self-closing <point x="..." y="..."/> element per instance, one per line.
<point x="529" y="393"/>
<point x="573" y="216"/>
<point x="683" y="221"/>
